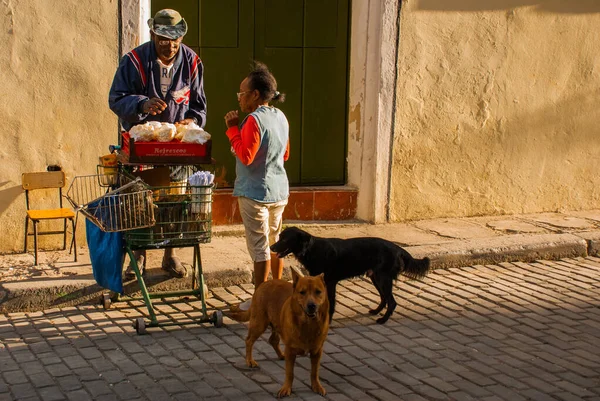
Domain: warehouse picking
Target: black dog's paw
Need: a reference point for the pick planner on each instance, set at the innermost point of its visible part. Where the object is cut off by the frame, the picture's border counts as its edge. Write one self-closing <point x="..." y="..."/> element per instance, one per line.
<point x="382" y="320"/>
<point x="373" y="311"/>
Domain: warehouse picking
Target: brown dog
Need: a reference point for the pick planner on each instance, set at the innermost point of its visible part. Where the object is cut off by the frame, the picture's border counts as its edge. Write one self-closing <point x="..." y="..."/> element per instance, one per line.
<point x="298" y="313"/>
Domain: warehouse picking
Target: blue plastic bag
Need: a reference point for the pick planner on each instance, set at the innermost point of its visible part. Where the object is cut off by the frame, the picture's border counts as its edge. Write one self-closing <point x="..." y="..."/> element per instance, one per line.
<point x="107" y="256"/>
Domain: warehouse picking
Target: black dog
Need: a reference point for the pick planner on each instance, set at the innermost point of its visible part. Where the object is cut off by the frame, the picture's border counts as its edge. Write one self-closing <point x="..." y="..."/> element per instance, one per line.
<point x="341" y="259"/>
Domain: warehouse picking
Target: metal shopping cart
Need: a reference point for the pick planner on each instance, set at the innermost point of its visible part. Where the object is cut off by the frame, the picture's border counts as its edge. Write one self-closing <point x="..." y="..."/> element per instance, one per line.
<point x="150" y="218"/>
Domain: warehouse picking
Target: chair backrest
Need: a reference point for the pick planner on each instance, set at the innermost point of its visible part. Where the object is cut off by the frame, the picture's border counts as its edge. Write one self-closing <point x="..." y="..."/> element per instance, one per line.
<point x="43" y="180"/>
<point x="46" y="179"/>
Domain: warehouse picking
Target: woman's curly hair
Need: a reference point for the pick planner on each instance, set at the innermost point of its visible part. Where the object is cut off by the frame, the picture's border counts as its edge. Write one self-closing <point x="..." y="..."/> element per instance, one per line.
<point x="262" y="80"/>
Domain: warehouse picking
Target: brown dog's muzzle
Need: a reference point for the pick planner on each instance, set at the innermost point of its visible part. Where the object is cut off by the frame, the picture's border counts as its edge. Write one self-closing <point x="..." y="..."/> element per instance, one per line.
<point x="311" y="309"/>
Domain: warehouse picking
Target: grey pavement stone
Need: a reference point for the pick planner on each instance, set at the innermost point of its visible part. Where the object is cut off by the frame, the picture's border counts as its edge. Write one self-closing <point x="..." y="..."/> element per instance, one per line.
<point x="156" y="393"/>
<point x="59" y="370"/>
<point x="22" y="391"/>
<point x="87" y="374"/>
<point x="204" y="390"/>
<point x="69" y="383"/>
<point x="172" y="386"/>
<point x="15" y="377"/>
<point x="41" y="379"/>
<point x="51" y="394"/>
<point x="184" y="396"/>
<point x="383" y="395"/>
<point x="97" y="388"/>
<point x="101" y="364"/>
<point x="113" y="376"/>
<point x="108" y="397"/>
<point x="126" y="390"/>
<point x="462" y="396"/>
<point x="23" y="356"/>
<point x="158" y="372"/>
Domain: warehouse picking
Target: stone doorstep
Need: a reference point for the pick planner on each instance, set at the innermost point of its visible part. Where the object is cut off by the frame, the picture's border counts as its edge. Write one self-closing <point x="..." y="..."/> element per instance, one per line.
<point x="334" y="203"/>
<point x="19" y="296"/>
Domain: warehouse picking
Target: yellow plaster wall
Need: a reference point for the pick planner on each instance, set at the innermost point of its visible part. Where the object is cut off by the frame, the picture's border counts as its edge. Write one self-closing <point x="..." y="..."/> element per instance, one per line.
<point x="58" y="61"/>
<point x="497" y="108"/>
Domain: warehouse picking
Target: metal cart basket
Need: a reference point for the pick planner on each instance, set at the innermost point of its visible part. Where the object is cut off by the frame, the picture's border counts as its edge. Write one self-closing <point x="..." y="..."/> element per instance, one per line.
<point x="127" y="207"/>
<point x="174" y="216"/>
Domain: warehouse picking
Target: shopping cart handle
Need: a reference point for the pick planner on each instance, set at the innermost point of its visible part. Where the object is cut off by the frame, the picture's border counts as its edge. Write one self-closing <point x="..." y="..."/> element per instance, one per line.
<point x="137" y="181"/>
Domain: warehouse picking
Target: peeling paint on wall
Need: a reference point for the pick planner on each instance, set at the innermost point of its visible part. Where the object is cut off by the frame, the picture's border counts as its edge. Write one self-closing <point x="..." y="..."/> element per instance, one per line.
<point x="354" y="122"/>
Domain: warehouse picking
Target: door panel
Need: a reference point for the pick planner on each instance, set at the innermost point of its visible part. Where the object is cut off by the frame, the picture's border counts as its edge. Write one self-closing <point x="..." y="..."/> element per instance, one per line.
<point x="324" y="92"/>
<point x="323" y="117"/>
<point x="219" y="23"/>
<point x="321" y="23"/>
<point x="281" y="22"/>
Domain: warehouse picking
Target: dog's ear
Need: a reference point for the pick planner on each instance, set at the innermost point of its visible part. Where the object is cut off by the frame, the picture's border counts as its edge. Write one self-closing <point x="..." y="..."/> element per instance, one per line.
<point x="295" y="278"/>
<point x="296" y="273"/>
<point x="322" y="277"/>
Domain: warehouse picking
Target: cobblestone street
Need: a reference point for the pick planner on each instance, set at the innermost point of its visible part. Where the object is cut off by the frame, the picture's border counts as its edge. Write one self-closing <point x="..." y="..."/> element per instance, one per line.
<point x="513" y="331"/>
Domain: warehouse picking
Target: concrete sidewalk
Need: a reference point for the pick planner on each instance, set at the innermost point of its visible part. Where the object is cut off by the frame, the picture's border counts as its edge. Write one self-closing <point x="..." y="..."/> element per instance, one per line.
<point x="57" y="281"/>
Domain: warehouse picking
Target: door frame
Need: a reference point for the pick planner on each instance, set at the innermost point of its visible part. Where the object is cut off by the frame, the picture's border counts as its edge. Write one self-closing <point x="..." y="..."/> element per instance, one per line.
<point x="374" y="43"/>
<point x="373" y="56"/>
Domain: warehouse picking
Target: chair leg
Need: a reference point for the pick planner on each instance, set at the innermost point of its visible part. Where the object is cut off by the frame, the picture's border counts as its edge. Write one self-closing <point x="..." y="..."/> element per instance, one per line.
<point x="35" y="242"/>
<point x="74" y="225"/>
<point x="64" y="234"/>
<point x="26" y="233"/>
<point x="74" y="241"/>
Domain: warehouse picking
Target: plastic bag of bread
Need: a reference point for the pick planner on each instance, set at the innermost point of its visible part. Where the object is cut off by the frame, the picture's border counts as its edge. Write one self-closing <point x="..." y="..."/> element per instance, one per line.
<point x="165" y="133"/>
<point x="180" y="130"/>
<point x="142" y="133"/>
<point x="194" y="134"/>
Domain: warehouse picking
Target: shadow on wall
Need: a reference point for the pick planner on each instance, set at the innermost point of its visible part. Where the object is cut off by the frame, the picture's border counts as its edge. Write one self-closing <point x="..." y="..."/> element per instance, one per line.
<point x="578" y="114"/>
<point x="549" y="6"/>
<point x="8" y="196"/>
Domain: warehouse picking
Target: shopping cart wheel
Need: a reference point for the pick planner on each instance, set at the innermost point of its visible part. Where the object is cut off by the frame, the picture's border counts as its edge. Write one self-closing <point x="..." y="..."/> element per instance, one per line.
<point x="140" y="325"/>
<point x="217" y="318"/>
<point x="105" y="301"/>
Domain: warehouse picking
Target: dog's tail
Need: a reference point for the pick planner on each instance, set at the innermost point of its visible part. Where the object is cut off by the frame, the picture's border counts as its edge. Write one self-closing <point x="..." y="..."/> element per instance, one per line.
<point x="238" y="315"/>
<point x="415" y="268"/>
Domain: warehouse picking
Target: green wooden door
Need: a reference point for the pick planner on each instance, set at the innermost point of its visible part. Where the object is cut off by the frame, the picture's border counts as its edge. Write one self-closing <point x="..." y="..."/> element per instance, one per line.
<point x="305" y="44"/>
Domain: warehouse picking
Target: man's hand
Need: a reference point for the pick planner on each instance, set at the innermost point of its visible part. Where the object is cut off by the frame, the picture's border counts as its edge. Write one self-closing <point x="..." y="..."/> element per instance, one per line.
<point x="154" y="106"/>
<point x="186" y="121"/>
<point x="232" y="119"/>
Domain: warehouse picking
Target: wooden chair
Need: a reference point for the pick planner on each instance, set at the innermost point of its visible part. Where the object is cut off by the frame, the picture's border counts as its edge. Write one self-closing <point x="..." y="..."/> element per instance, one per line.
<point x="46" y="180"/>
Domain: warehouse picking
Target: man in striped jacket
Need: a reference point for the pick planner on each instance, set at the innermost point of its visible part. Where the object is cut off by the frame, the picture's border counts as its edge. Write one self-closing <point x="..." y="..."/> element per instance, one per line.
<point x="160" y="80"/>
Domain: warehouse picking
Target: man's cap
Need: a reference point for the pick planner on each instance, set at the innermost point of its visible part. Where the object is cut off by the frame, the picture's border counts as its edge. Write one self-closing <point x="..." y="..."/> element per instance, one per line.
<point x="168" y="23"/>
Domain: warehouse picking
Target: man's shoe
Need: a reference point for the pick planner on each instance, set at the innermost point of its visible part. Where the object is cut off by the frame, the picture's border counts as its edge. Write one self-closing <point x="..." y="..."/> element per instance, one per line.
<point x="174" y="267"/>
<point x="241" y="307"/>
<point x="244" y="306"/>
<point x="141" y="262"/>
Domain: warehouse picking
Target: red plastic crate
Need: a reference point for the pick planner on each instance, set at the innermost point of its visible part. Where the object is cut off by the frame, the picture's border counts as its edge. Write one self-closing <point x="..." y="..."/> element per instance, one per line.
<point x="174" y="152"/>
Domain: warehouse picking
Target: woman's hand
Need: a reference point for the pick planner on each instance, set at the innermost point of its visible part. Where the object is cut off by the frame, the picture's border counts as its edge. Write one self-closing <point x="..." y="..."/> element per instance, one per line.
<point x="232" y="119"/>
